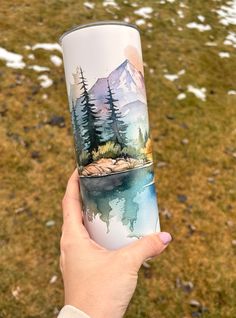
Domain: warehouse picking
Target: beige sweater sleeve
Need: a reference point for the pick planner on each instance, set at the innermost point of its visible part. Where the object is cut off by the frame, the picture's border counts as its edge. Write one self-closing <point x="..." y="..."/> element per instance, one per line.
<point x="71" y="312"/>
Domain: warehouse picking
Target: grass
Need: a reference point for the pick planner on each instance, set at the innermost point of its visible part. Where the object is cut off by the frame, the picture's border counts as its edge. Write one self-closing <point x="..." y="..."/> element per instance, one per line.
<point x="36" y="160"/>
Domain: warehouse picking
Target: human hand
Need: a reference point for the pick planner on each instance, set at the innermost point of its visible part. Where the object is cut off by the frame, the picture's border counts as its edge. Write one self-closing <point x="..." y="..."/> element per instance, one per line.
<point x="98" y="281"/>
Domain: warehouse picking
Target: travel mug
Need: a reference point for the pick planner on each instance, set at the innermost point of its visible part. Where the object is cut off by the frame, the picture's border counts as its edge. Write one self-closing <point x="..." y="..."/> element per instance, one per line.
<point x="108" y="106"/>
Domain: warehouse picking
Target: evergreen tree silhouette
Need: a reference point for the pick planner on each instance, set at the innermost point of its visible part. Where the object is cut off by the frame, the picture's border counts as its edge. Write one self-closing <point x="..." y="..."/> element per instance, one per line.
<point x="90" y="118"/>
<point x="77" y="130"/>
<point x="140" y="138"/>
<point x="118" y="126"/>
<point x="146" y="137"/>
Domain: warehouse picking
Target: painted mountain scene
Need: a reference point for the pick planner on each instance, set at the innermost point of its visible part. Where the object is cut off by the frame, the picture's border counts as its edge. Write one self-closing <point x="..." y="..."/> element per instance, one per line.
<point x="113" y="146"/>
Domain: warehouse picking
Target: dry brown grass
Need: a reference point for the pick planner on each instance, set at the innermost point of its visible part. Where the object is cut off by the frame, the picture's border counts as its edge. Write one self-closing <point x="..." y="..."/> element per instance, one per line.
<point x="31" y="188"/>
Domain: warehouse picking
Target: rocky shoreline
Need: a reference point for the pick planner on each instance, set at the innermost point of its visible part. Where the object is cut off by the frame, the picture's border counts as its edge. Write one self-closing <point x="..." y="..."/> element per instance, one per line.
<point x="107" y="166"/>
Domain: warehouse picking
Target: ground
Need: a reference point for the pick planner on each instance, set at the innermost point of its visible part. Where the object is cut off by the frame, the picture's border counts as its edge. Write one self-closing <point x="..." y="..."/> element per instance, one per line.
<point x="194" y="153"/>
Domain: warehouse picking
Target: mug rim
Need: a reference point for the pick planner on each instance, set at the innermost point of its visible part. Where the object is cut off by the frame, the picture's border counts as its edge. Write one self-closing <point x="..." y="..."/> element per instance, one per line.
<point x="92" y="24"/>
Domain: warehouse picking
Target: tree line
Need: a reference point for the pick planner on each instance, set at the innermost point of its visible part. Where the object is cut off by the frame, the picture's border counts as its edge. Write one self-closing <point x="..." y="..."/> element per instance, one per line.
<point x="88" y="134"/>
<point x="91" y="137"/>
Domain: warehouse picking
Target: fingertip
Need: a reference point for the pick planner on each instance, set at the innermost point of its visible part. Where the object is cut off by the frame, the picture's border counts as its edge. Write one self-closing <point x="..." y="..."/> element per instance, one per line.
<point x="165" y="237"/>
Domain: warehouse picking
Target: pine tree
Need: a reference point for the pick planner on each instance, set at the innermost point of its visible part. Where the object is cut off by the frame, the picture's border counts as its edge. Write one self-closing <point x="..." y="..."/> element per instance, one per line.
<point x="76" y="128"/>
<point x="146" y="137"/>
<point x="90" y="118"/>
<point x="118" y="126"/>
<point x="140" y="138"/>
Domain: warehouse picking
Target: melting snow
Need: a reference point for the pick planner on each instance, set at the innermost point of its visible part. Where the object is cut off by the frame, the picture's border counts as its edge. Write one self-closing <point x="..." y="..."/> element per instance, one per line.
<point x="144" y="12"/>
<point x="47" y="46"/>
<point x="31" y="56"/>
<point x="140" y="22"/>
<point x="211" y="44"/>
<point x="201" y="18"/>
<point x="198" y="92"/>
<point x="13" y="60"/>
<point x="89" y="5"/>
<point x="53" y="279"/>
<point x="111" y="3"/>
<point x="151" y="70"/>
<point x="38" y="68"/>
<point x="227" y="14"/>
<point x="56" y="60"/>
<point x="182" y="5"/>
<point x="224" y="55"/>
<point x="45" y="81"/>
<point x="181" y="96"/>
<point x="182" y="72"/>
<point x="173" y="77"/>
<point x="231" y="92"/>
<point x="180" y="14"/>
<point x="231" y="39"/>
<point x="198" y="26"/>
<point x="127" y="19"/>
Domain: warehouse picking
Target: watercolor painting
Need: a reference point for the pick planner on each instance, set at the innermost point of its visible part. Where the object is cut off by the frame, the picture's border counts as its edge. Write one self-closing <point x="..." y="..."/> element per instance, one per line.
<point x="113" y="147"/>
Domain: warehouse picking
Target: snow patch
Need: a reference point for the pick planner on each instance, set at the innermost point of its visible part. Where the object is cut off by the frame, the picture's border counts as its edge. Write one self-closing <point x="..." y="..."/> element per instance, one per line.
<point x="38" y="68"/>
<point x="45" y="81"/>
<point x="47" y="47"/>
<point x="12" y="60"/>
<point x="171" y="77"/>
<point x="31" y="56"/>
<point x="231" y="39"/>
<point x="56" y="60"/>
<point x="181" y="96"/>
<point x="165" y="1"/>
<point x="201" y="18"/>
<point x="227" y="13"/>
<point x="180" y="14"/>
<point x="224" y="55"/>
<point x="89" y="5"/>
<point x="174" y="77"/>
<point x="144" y="12"/>
<point x="182" y="5"/>
<point x="140" y="22"/>
<point x="232" y="92"/>
<point x="198" y="26"/>
<point x="211" y="44"/>
<point x="127" y="19"/>
<point x="111" y="3"/>
<point x="53" y="279"/>
<point x="198" y="92"/>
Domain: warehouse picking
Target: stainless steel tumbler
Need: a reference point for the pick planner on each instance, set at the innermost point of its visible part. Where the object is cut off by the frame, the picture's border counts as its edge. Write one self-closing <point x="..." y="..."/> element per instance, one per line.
<point x="108" y="106"/>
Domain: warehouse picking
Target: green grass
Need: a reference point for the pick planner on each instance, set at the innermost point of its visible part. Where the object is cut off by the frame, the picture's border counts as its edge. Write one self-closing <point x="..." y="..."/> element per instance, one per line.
<point x="31" y="188"/>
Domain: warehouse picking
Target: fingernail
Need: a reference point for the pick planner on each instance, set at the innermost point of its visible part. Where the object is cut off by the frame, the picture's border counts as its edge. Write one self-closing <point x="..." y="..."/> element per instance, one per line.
<point x="165" y="237"/>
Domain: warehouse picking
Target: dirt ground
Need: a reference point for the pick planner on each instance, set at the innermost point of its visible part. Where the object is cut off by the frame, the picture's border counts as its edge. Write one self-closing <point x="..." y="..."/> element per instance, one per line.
<point x="193" y="122"/>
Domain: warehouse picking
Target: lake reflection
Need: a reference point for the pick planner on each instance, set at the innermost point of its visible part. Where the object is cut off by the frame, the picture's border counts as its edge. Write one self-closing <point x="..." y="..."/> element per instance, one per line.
<point x="129" y="195"/>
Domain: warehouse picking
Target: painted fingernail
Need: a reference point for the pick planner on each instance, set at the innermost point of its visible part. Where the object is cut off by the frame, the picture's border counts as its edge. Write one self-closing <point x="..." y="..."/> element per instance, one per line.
<point x="165" y="237"/>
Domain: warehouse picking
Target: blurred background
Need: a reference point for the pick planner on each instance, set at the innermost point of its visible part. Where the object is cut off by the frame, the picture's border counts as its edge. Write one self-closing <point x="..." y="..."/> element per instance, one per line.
<point x="190" y="73"/>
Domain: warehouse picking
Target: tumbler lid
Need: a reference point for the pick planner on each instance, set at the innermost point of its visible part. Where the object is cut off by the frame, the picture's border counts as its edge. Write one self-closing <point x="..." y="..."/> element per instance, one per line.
<point x="92" y="24"/>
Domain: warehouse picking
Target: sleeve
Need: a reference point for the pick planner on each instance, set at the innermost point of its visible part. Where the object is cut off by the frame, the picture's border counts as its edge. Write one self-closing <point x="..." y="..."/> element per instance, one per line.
<point x="69" y="311"/>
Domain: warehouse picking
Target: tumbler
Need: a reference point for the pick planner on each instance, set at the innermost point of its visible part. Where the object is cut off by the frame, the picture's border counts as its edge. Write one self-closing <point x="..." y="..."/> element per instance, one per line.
<point x="107" y="101"/>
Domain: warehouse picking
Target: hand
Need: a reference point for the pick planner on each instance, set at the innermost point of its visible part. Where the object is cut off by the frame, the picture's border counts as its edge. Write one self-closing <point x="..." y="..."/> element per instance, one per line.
<point x="98" y="281"/>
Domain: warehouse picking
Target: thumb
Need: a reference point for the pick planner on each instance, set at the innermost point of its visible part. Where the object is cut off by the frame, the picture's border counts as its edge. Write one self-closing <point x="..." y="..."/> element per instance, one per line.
<point x="148" y="246"/>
